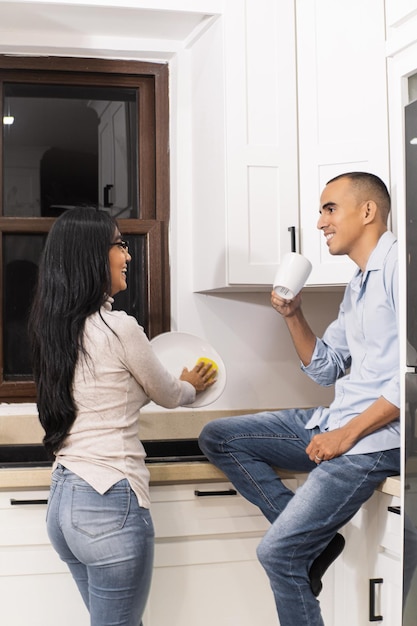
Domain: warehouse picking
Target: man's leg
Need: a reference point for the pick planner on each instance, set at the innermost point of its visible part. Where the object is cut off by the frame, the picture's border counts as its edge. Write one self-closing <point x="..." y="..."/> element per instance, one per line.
<point x="329" y="498"/>
<point x="248" y="447"/>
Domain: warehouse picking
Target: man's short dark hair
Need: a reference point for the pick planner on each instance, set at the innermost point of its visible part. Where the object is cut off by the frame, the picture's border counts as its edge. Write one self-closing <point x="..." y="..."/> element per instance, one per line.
<point x="371" y="187"/>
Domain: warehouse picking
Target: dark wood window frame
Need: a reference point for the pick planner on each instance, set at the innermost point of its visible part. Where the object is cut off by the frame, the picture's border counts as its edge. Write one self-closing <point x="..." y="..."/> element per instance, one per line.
<point x="153" y="173"/>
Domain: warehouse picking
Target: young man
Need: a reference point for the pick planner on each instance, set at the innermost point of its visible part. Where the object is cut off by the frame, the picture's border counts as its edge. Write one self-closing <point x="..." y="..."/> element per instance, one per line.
<point x="348" y="448"/>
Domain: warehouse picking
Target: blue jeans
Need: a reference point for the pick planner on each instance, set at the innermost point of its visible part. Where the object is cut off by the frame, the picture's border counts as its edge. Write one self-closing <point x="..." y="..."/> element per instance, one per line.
<point x="107" y="541"/>
<point x="246" y="449"/>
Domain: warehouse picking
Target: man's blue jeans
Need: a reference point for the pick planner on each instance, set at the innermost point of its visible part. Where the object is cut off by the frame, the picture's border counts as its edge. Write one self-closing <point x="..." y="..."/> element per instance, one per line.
<point x="107" y="542"/>
<point x="246" y="449"/>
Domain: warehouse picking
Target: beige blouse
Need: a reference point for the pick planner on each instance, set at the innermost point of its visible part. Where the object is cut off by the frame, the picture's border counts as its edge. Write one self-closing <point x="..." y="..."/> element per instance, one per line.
<point x="120" y="375"/>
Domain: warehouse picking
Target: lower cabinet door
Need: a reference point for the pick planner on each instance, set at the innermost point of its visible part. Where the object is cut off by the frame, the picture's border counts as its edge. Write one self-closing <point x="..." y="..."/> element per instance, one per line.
<point x="215" y="580"/>
<point x="385" y="599"/>
<point x="41" y="600"/>
<point x="209" y="581"/>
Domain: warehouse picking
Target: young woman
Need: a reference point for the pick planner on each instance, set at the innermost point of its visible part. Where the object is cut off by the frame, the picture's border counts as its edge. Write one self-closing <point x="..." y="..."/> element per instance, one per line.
<point x="94" y="369"/>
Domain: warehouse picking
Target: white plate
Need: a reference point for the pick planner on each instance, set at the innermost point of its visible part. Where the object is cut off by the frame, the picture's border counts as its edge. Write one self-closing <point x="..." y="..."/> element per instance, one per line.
<point x="177" y="350"/>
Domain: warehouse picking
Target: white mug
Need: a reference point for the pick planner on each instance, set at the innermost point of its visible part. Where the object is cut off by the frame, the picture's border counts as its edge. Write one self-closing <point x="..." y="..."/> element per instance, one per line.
<point x="291" y="275"/>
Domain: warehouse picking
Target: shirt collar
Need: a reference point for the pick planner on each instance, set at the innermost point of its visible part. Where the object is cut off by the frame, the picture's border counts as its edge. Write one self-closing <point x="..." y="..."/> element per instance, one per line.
<point x="107" y="304"/>
<point x="376" y="259"/>
<point x="378" y="254"/>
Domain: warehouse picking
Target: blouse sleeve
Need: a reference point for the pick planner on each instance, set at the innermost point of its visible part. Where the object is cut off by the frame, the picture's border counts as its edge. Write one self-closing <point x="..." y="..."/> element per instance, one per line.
<point x="140" y="360"/>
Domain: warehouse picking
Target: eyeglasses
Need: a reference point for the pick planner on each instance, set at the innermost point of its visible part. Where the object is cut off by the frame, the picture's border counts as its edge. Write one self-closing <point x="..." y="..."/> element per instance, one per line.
<point x="123" y="245"/>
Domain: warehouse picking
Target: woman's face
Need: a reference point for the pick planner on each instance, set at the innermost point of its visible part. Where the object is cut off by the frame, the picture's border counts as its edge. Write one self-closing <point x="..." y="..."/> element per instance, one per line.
<point x="119" y="257"/>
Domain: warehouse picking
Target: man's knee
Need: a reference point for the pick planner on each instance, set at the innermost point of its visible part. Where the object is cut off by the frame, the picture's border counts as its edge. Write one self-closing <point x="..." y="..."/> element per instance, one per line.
<point x="272" y="555"/>
<point x="211" y="437"/>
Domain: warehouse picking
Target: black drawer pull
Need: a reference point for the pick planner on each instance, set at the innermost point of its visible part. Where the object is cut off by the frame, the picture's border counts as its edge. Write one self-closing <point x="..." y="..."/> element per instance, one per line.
<point x="15" y="502"/>
<point x="226" y="492"/>
<point x="395" y="509"/>
<point x="372" y="583"/>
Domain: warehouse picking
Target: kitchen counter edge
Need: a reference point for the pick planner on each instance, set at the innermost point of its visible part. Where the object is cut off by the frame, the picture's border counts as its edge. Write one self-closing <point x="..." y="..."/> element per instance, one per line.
<point x="160" y="474"/>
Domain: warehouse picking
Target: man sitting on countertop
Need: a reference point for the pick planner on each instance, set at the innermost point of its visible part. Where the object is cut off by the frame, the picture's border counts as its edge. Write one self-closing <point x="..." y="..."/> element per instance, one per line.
<point x="348" y="448"/>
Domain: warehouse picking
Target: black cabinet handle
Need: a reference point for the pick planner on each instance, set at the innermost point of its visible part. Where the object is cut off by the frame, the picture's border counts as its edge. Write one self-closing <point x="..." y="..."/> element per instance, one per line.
<point x="15" y="502"/>
<point x="227" y="492"/>
<point x="106" y="195"/>
<point x="372" y="584"/>
<point x="395" y="509"/>
<point x="291" y="229"/>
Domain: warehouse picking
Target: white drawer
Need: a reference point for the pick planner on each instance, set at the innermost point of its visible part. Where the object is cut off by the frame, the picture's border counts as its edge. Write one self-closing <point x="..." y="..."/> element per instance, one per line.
<point x="391" y="531"/>
<point x="203" y="509"/>
<point x="22" y="518"/>
<point x="26" y="498"/>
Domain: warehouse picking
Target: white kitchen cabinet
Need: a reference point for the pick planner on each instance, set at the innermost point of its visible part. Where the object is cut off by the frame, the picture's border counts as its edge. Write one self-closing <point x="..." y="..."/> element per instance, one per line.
<point x="368" y="573"/>
<point x="342" y="111"/>
<point x="245" y="190"/>
<point x="206" y="570"/>
<point x="35" y="585"/>
<point x="402" y="89"/>
<point x="387" y="566"/>
<point x="114" y="163"/>
<point x="285" y="90"/>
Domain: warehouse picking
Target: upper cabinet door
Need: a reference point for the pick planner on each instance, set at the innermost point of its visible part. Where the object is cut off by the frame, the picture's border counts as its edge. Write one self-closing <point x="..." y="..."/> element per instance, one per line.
<point x="342" y="111"/>
<point x="245" y="170"/>
<point x="285" y="96"/>
<point x="261" y="136"/>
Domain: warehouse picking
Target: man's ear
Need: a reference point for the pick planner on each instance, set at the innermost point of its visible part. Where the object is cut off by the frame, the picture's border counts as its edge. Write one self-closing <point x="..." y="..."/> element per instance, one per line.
<point x="370" y="210"/>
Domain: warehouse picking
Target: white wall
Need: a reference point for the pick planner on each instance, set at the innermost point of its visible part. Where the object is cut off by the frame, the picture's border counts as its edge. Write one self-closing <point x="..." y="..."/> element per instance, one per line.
<point x="262" y="368"/>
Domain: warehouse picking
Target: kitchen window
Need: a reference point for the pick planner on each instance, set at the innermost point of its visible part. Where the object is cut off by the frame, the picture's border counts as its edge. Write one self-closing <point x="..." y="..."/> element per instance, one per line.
<point x="80" y="132"/>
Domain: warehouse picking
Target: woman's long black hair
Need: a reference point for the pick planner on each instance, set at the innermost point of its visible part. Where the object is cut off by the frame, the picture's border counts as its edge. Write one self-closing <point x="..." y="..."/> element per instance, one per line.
<point x="74" y="278"/>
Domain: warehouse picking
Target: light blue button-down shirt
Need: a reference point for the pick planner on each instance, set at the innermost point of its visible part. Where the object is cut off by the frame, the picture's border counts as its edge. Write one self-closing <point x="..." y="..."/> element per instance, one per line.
<point x="365" y="339"/>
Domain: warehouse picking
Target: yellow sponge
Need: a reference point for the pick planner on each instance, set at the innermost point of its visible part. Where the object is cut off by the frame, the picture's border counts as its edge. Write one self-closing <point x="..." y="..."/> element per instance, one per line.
<point x="206" y="361"/>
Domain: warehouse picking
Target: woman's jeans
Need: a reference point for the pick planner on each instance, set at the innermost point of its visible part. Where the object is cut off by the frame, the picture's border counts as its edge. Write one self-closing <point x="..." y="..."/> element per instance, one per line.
<point x="107" y="542"/>
<point x="246" y="449"/>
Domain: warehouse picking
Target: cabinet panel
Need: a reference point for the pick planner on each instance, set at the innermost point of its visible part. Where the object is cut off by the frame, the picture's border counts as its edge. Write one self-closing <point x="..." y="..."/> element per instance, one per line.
<point x="245" y="193"/>
<point x="220" y="584"/>
<point x="41" y="600"/>
<point x="388" y="566"/>
<point x="178" y="512"/>
<point x="35" y="585"/>
<point x="261" y="132"/>
<point x="343" y="122"/>
<point x="202" y="543"/>
<point x="388" y="599"/>
<point x="295" y="109"/>
<point x="372" y="552"/>
<point x="206" y="569"/>
<point x="113" y="153"/>
<point x="23" y="524"/>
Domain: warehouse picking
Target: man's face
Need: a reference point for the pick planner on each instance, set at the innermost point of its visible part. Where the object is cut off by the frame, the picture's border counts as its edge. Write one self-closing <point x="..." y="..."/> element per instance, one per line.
<point x="341" y="217"/>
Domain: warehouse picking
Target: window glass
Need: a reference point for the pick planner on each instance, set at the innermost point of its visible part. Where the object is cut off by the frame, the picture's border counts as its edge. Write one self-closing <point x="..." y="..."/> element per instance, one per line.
<point x="21" y="255"/>
<point x="69" y="145"/>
